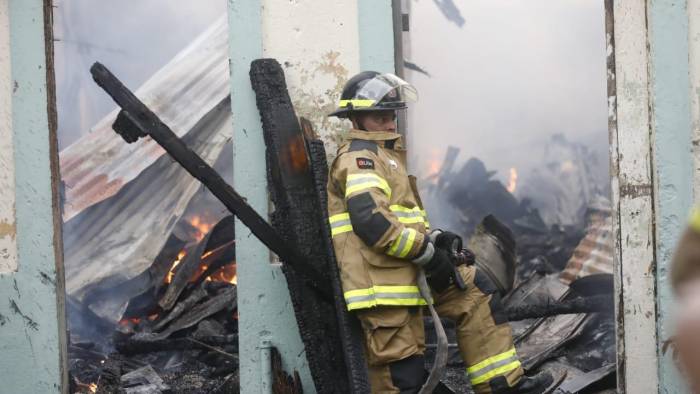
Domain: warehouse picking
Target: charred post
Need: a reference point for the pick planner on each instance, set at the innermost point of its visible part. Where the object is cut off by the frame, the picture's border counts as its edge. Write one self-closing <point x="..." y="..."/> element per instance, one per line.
<point x="335" y="364"/>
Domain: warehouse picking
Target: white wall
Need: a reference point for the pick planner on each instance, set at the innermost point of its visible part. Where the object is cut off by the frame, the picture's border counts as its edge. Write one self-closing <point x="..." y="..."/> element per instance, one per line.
<point x="8" y="245"/>
<point x="318" y="47"/>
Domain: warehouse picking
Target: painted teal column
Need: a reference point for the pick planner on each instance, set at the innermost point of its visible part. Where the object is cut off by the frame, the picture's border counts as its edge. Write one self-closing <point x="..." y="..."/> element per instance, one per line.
<point x="266" y="316"/>
<point x="673" y="161"/>
<point x="376" y="30"/>
<point x="32" y="321"/>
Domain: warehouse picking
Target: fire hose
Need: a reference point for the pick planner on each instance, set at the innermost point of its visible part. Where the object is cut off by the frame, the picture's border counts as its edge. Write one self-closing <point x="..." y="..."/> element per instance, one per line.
<point x="438" y="369"/>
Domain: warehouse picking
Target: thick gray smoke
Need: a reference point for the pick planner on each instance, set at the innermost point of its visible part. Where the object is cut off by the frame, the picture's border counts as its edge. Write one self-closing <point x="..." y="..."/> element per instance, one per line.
<point x="134" y="38"/>
<point x="501" y="86"/>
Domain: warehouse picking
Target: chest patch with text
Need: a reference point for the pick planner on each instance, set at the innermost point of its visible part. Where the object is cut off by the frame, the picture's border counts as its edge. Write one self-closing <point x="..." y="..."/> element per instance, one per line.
<point x="365" y="164"/>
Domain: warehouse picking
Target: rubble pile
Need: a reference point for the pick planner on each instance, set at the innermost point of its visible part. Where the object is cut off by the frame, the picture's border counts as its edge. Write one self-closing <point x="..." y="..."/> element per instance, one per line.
<point x="178" y="331"/>
<point x="561" y="302"/>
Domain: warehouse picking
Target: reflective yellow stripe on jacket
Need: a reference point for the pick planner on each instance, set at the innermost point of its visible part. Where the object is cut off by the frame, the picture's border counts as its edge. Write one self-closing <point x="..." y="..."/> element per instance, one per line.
<point x="407" y="215"/>
<point x="403" y="244"/>
<point x="340" y="223"/>
<point x="383" y="295"/>
<point x="497" y="365"/>
<point x="358" y="182"/>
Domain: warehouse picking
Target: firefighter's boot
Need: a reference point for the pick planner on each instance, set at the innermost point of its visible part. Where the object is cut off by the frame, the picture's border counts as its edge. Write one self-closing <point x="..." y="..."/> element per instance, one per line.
<point x="536" y="384"/>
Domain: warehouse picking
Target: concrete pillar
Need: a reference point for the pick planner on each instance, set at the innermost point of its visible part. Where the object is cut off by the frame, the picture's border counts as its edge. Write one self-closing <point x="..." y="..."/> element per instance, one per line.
<point x="32" y="316"/>
<point x="673" y="161"/>
<point x="633" y="215"/>
<point x="320" y="45"/>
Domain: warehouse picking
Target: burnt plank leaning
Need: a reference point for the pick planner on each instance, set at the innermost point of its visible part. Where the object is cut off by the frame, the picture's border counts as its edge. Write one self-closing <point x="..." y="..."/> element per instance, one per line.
<point x="137" y="120"/>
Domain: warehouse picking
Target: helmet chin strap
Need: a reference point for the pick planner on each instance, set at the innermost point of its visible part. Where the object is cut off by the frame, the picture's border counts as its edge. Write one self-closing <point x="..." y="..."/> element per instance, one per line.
<point x="358" y="125"/>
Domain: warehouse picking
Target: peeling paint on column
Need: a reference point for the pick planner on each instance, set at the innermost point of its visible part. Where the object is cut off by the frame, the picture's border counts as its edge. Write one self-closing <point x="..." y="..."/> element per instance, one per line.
<point x="8" y="226"/>
<point x="317" y="94"/>
<point x="319" y="59"/>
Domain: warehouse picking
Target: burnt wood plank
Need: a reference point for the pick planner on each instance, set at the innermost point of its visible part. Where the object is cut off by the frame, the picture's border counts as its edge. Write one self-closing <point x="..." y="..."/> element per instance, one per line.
<point x="198" y="294"/>
<point x="134" y="346"/>
<point x="300" y="217"/>
<point x="225" y="300"/>
<point x="137" y="120"/>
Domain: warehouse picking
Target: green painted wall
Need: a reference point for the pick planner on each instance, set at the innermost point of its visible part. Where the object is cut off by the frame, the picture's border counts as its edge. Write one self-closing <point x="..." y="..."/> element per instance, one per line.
<point x="266" y="314"/>
<point x="673" y="161"/>
<point x="32" y="332"/>
<point x="376" y="30"/>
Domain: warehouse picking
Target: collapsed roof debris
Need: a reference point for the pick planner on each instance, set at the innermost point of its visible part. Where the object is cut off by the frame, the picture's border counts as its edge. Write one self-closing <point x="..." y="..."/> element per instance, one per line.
<point x="107" y="237"/>
<point x="451" y="12"/>
<point x="561" y="304"/>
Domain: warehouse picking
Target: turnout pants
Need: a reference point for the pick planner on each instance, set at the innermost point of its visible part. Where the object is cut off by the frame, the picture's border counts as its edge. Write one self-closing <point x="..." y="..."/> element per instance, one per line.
<point x="395" y="339"/>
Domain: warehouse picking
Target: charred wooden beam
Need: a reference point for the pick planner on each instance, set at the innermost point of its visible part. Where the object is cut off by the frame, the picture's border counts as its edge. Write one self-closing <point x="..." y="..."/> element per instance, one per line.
<point x="136" y="120"/>
<point x="133" y="346"/>
<point x="283" y="383"/>
<point x="599" y="303"/>
<point x="198" y="294"/>
<point x="184" y="271"/>
<point x="297" y="188"/>
<point x="225" y="300"/>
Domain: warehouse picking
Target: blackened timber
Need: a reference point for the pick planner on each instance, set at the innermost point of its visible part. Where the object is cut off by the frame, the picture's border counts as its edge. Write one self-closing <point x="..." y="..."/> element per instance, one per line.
<point x="198" y="294"/>
<point x="189" y="265"/>
<point x="283" y="383"/>
<point x="350" y="329"/>
<point x="598" y="303"/>
<point x="137" y="120"/>
<point x="300" y="217"/>
<point x="225" y="300"/>
<point x="134" y="346"/>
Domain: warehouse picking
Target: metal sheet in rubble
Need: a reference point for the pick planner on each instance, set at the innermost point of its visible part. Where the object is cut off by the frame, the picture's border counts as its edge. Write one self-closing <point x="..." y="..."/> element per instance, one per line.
<point x="118" y="238"/>
<point x="99" y="164"/>
<point x="538" y="289"/>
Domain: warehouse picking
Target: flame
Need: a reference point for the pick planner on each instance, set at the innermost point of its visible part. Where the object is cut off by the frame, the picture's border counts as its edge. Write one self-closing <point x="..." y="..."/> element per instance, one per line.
<point x="434" y="167"/>
<point x="227" y="273"/>
<point x="171" y="273"/>
<point x="202" y="227"/>
<point x="92" y="387"/>
<point x="127" y="320"/>
<point x="513" y="182"/>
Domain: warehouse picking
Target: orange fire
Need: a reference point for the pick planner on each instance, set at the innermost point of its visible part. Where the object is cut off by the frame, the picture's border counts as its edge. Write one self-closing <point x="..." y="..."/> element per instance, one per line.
<point x="227" y="273"/>
<point x="202" y="227"/>
<point x="171" y="273"/>
<point x="513" y="182"/>
<point x="434" y="167"/>
<point x="93" y="387"/>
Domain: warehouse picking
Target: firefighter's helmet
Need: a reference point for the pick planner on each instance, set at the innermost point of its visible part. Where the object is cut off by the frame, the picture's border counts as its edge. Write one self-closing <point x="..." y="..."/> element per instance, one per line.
<point x="372" y="91"/>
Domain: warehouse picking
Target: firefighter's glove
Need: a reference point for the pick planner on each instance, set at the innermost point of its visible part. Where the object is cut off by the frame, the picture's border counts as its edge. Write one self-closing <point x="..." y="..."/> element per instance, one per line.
<point x="439" y="268"/>
<point x="446" y="240"/>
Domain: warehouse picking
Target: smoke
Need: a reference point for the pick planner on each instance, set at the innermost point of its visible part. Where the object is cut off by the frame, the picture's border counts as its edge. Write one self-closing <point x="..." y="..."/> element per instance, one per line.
<point x="517" y="73"/>
<point x="134" y="38"/>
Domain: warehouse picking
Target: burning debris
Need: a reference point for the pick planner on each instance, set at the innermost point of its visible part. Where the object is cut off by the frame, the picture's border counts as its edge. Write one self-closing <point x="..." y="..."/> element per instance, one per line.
<point x="560" y="299"/>
<point x="185" y="325"/>
<point x="152" y="285"/>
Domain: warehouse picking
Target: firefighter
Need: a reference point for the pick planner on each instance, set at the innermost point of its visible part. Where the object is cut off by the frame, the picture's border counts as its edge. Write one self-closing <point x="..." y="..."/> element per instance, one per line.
<point x="381" y="238"/>
<point x="685" y="279"/>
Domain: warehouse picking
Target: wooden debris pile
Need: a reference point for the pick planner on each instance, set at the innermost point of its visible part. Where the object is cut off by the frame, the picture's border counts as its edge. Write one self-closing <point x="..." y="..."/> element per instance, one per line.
<point x="179" y="335"/>
<point x="561" y="303"/>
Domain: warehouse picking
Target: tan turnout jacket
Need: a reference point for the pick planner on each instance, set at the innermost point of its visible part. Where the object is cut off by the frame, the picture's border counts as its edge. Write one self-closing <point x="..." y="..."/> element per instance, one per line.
<point x="377" y="221"/>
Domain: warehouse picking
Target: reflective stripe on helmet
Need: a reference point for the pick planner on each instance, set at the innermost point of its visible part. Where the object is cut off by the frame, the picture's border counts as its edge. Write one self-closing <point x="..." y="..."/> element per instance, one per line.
<point x="358" y="182"/>
<point x="357" y="103"/>
<point x="497" y="365"/>
<point x="340" y="223"/>
<point x="403" y="244"/>
<point x="383" y="295"/>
